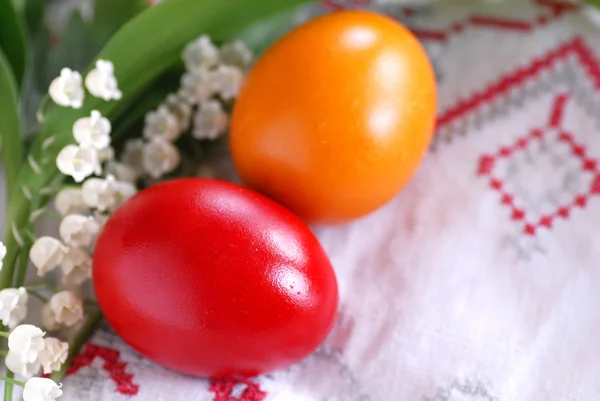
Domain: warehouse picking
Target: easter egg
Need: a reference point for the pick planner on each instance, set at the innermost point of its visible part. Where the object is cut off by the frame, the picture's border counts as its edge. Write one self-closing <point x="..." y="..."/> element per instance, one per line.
<point x="334" y="119"/>
<point x="211" y="279"/>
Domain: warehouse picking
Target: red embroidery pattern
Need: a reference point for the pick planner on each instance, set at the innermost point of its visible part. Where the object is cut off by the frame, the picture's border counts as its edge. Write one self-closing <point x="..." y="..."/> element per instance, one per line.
<point x="556" y="10"/>
<point x="575" y="47"/>
<point x="112" y="365"/>
<point x="335" y="5"/>
<point x="224" y="390"/>
<point x="587" y="165"/>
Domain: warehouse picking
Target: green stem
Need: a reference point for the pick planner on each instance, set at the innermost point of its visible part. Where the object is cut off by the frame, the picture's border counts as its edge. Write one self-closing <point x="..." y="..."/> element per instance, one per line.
<point x="38" y="295"/>
<point x="45" y="212"/>
<point x="41" y="284"/>
<point x="8" y="387"/>
<point x="23" y="262"/>
<point x="10" y="380"/>
<point x="17" y="214"/>
<point x="4" y="334"/>
<point x="80" y="339"/>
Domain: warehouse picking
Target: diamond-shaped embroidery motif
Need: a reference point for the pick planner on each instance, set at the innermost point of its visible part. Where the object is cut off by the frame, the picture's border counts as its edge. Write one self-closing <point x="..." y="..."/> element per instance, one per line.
<point x="516" y="170"/>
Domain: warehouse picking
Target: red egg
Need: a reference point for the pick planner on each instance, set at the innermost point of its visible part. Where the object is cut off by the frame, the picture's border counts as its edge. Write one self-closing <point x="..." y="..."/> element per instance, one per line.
<point x="212" y="279"/>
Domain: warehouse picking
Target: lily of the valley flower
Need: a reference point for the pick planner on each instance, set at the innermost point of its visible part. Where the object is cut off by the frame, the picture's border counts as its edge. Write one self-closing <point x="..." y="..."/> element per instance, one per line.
<point x="78" y="162"/>
<point x="64" y="309"/>
<point x="106" y="154"/>
<point x="180" y="109"/>
<point x="236" y="54"/>
<point x="163" y="124"/>
<point x="53" y="355"/>
<point x="46" y="254"/>
<point x="77" y="230"/>
<point x="2" y="253"/>
<point x="69" y="201"/>
<point x="195" y="87"/>
<point x="66" y="89"/>
<point x="93" y="131"/>
<point x="106" y="194"/>
<point x="101" y="81"/>
<point x="226" y="80"/>
<point x="16" y="364"/>
<point x="41" y="389"/>
<point x="132" y="154"/>
<point x="27" y="341"/>
<point x="200" y="54"/>
<point x="160" y="157"/>
<point x="210" y="120"/>
<point x="99" y="193"/>
<point x="76" y="266"/>
<point x="122" y="172"/>
<point x="13" y="306"/>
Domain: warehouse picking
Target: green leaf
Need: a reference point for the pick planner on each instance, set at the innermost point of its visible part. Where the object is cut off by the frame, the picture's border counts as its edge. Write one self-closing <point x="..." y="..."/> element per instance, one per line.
<point x="147" y="46"/>
<point x="83" y="39"/>
<point x="12" y="39"/>
<point x="33" y="11"/>
<point x="595" y="3"/>
<point x="262" y="34"/>
<point x="10" y="133"/>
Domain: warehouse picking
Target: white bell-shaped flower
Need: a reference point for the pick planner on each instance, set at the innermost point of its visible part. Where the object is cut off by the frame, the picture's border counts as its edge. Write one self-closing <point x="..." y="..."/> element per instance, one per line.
<point x="163" y="124"/>
<point x="236" y="54"/>
<point x="100" y="193"/>
<point x="101" y="81"/>
<point x="77" y="266"/>
<point x="180" y="109"/>
<point x="69" y="201"/>
<point x="125" y="190"/>
<point x="210" y="120"/>
<point x="13" y="306"/>
<point x="122" y="172"/>
<point x="107" y="154"/>
<point x="200" y="54"/>
<point x="19" y="366"/>
<point x="41" y="389"/>
<point x="226" y="80"/>
<point x="93" y="131"/>
<point x="64" y="309"/>
<point x="46" y="254"/>
<point x="2" y="253"/>
<point x="78" y="162"/>
<point x="196" y="87"/>
<point x="77" y="230"/>
<point x="26" y="340"/>
<point x="132" y="154"/>
<point x="160" y="157"/>
<point x="53" y="355"/>
<point x="66" y="89"/>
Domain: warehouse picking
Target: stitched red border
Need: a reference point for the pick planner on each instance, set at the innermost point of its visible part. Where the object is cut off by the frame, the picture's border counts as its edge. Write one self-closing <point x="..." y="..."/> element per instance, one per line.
<point x="575" y="47"/>
<point x="556" y="8"/>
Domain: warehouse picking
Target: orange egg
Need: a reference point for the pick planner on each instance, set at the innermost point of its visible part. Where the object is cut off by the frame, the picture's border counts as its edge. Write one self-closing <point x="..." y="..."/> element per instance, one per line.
<point x="334" y="119"/>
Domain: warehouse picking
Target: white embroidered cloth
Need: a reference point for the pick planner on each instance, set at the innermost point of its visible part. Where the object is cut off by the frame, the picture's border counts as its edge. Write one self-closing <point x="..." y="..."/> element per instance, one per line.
<point x="481" y="280"/>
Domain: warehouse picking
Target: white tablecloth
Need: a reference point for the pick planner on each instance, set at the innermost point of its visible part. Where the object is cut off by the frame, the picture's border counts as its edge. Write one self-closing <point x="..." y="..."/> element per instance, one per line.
<point x="481" y="280"/>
